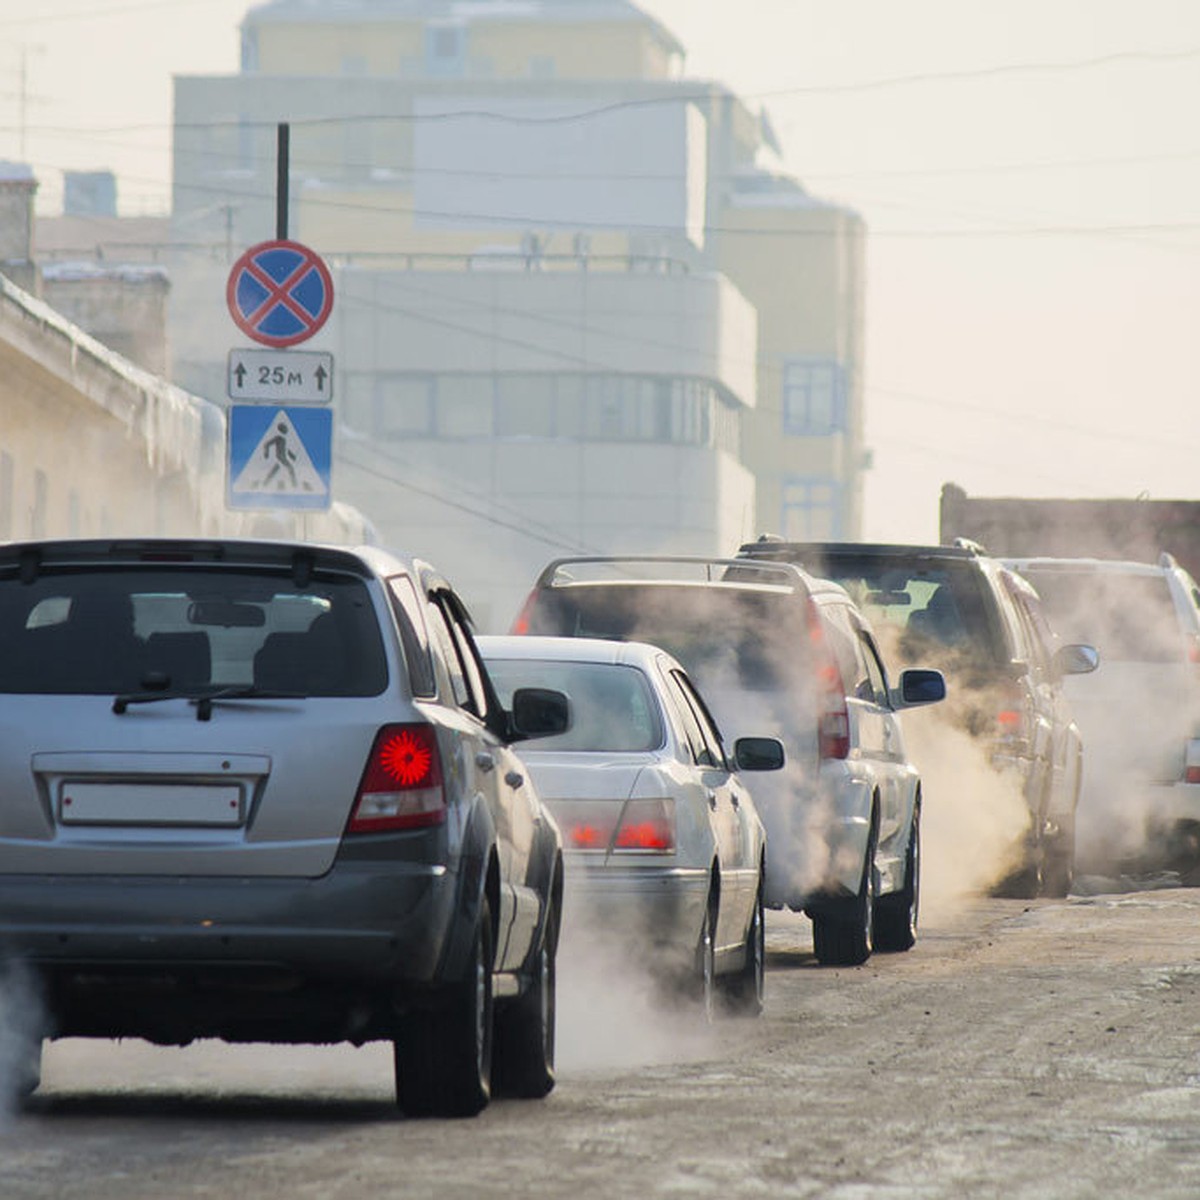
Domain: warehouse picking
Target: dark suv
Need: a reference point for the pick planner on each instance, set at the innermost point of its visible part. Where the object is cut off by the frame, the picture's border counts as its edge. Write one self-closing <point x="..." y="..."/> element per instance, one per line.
<point x="956" y="608"/>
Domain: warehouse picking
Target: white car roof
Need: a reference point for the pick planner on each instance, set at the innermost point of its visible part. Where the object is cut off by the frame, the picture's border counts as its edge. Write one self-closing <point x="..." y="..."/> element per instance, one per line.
<point x="1122" y="566"/>
<point x="572" y="649"/>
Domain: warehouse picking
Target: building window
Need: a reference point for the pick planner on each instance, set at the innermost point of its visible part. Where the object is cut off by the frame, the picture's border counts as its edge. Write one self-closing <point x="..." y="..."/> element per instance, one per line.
<point x="541" y="66"/>
<point x="813" y="397"/>
<point x="404" y="406"/>
<point x="811" y="510"/>
<point x="445" y="49"/>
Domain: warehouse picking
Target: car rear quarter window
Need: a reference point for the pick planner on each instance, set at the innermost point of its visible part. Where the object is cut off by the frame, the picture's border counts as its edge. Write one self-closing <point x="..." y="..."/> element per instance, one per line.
<point x="414" y="639"/>
<point x="112" y="630"/>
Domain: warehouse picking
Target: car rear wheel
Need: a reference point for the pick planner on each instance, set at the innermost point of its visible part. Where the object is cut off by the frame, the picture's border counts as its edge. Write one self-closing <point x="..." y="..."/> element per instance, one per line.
<point x="842" y="929"/>
<point x="743" y="992"/>
<point x="1058" y="861"/>
<point x="443" y="1058"/>
<point x="895" y="927"/>
<point x="704" y="982"/>
<point x="524" y="1057"/>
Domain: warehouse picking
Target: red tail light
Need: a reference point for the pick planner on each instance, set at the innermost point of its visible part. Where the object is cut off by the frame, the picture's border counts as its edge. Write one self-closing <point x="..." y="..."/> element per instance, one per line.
<point x="521" y="624"/>
<point x="1010" y="713"/>
<point x="402" y="785"/>
<point x="833" y="717"/>
<point x="647" y="826"/>
<point x="1193" y="648"/>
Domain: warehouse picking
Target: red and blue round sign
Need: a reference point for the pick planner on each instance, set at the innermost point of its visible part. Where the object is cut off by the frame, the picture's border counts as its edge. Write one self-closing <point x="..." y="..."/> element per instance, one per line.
<point x="279" y="293"/>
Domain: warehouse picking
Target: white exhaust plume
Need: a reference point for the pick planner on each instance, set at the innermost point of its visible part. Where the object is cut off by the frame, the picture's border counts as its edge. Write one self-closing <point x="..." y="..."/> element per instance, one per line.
<point x="615" y="1007"/>
<point x="22" y="1023"/>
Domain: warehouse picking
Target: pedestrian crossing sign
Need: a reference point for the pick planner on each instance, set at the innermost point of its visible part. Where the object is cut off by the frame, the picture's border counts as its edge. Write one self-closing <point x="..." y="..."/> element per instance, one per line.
<point x="279" y="457"/>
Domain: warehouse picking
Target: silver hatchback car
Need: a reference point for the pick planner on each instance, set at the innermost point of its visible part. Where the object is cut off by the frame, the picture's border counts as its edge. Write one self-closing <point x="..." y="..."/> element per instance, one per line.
<point x="264" y="792"/>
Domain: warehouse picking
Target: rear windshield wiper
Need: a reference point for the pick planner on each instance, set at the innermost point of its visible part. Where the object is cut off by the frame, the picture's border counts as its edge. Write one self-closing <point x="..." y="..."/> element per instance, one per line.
<point x="203" y="700"/>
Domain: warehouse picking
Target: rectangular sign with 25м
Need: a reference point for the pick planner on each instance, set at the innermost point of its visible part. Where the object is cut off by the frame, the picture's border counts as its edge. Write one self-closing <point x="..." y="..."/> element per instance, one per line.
<point x="281" y="376"/>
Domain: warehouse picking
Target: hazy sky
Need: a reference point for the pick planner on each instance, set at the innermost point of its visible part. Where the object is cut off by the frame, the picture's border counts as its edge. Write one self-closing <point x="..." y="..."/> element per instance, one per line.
<point x="1029" y="171"/>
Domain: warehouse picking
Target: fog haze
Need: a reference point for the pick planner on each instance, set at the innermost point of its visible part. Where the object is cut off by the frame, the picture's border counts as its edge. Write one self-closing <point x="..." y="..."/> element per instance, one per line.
<point x="1028" y="172"/>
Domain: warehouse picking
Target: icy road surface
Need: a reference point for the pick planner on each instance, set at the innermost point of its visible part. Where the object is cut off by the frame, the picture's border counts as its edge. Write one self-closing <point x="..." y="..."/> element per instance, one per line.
<point x="1039" y="1049"/>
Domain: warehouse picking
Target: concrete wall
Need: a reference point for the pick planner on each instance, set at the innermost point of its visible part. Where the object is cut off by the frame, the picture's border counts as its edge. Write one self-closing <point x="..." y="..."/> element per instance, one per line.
<point x="92" y="446"/>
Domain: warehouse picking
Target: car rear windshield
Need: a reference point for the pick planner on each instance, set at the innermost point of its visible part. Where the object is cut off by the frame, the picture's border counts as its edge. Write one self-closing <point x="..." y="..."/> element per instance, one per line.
<point x="922" y="608"/>
<point x="612" y="706"/>
<point x="128" y="630"/>
<point x="1127" y="617"/>
<point x="754" y="638"/>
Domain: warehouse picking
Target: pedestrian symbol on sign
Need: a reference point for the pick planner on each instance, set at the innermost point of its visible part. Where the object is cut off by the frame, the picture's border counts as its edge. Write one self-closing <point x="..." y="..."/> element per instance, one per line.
<point x="279" y="464"/>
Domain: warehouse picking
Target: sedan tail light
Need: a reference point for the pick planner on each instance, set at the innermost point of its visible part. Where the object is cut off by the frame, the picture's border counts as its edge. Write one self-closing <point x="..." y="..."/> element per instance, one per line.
<point x="402" y="785"/>
<point x="613" y="826"/>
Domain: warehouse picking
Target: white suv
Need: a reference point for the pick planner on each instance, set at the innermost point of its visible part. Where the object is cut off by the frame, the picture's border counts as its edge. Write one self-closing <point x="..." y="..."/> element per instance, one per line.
<point x="774" y="649"/>
<point x="1139" y="712"/>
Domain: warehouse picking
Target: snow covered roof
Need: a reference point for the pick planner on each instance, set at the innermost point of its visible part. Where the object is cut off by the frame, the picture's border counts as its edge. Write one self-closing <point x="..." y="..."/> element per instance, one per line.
<point x="14" y="172"/>
<point x="68" y="271"/>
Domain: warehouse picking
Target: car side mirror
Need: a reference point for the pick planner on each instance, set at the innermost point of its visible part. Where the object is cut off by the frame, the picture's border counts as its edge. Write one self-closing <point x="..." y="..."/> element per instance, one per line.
<point x="758" y="754"/>
<point x="539" y="712"/>
<point x="1076" y="658"/>
<point x="917" y="687"/>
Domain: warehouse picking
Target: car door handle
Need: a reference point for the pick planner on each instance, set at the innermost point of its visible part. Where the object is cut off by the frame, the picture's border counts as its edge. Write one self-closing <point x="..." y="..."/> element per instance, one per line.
<point x="736" y="802"/>
<point x="712" y="799"/>
<point x="484" y="761"/>
<point x="514" y="779"/>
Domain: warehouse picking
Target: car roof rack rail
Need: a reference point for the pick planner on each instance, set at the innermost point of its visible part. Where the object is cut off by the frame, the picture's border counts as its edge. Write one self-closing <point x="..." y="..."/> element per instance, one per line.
<point x="962" y="543"/>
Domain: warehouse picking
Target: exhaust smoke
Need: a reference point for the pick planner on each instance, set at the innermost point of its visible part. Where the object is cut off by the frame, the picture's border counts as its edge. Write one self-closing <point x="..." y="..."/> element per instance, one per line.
<point x="22" y="1025"/>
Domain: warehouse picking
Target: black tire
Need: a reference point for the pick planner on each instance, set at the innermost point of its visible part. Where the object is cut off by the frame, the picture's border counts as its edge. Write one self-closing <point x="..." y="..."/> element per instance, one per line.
<point x="1058" y="862"/>
<point x="842" y="929"/>
<point x="895" y="928"/>
<point x="704" y="983"/>
<point x="443" y="1058"/>
<point x="742" y="993"/>
<point x="523" y="1065"/>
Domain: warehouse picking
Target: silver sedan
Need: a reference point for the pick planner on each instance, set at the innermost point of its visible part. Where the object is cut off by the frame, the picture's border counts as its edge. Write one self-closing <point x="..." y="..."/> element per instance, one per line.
<point x="661" y="837"/>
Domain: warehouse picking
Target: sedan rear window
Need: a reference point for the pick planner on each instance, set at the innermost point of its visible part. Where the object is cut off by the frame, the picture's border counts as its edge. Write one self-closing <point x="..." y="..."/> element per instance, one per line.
<point x="612" y="706"/>
<point x="122" y="630"/>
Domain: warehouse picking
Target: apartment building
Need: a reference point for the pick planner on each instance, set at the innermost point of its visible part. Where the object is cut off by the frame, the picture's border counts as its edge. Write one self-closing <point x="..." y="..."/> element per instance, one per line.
<point x="573" y="312"/>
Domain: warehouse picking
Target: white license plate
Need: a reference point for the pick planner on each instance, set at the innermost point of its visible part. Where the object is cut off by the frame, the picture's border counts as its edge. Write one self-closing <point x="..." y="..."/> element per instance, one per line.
<point x="149" y="804"/>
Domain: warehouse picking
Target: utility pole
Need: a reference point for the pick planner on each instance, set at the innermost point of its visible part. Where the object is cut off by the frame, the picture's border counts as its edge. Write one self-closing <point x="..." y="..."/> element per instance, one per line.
<point x="23" y="95"/>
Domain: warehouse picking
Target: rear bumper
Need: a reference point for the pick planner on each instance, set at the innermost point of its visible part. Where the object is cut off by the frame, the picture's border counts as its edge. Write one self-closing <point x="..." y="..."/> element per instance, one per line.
<point x="816" y="843"/>
<point x="362" y="921"/>
<point x="650" y="909"/>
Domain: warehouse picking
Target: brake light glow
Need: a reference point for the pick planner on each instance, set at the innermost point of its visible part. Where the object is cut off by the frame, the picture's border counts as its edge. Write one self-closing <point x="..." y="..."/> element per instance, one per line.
<point x="636" y="826"/>
<point x="1010" y="713"/>
<point x="402" y="786"/>
<point x="521" y="624"/>
<point x="647" y="825"/>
